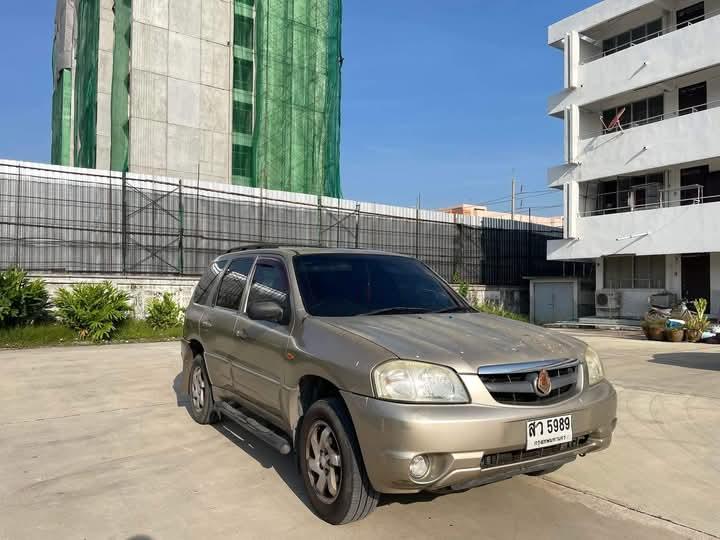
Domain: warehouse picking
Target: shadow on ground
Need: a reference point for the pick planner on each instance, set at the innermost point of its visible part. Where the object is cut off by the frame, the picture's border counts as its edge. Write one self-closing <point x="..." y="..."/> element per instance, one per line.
<point x="692" y="360"/>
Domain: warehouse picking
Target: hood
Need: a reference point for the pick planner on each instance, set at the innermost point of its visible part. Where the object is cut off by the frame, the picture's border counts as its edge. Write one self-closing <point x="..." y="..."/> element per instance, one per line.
<point x="463" y="341"/>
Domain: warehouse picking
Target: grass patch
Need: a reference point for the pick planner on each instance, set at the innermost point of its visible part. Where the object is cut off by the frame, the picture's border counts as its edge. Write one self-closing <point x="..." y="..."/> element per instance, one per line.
<point x="36" y="335"/>
<point x="494" y="309"/>
<point x="50" y="335"/>
<point x="138" y="330"/>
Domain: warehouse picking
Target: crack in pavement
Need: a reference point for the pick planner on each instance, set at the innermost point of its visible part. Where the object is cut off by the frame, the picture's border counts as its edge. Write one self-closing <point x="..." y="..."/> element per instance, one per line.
<point x="629" y="508"/>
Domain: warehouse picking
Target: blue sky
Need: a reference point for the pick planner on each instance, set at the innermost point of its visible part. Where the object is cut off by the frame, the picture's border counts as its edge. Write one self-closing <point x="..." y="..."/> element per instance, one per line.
<point x="440" y="99"/>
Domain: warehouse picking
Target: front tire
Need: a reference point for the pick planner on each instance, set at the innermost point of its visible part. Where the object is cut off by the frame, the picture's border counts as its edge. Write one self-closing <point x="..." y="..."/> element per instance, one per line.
<point x="331" y="465"/>
<point x="202" y="405"/>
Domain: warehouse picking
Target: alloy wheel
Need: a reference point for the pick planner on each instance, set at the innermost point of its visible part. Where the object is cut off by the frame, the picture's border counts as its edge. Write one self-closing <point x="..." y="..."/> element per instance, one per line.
<point x="197" y="389"/>
<point x="324" y="466"/>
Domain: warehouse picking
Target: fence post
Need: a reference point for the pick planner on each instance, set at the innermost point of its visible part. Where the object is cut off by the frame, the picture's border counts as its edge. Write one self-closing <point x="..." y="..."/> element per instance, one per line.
<point x="123" y="227"/>
<point x="17" y="218"/>
<point x="320" y="220"/>
<point x="337" y="225"/>
<point x="181" y="227"/>
<point x="357" y="225"/>
<point x="417" y="229"/>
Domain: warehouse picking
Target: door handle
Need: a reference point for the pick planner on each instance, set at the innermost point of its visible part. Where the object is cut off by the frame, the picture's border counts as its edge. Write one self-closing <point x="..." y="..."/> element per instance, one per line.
<point x="206" y="324"/>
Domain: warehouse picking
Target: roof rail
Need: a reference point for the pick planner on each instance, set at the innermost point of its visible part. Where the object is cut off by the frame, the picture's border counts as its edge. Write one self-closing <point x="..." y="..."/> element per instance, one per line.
<point x="247" y="247"/>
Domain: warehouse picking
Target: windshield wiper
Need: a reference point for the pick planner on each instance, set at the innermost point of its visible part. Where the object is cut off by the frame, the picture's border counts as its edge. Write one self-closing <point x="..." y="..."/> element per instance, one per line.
<point x="454" y="309"/>
<point x="397" y="311"/>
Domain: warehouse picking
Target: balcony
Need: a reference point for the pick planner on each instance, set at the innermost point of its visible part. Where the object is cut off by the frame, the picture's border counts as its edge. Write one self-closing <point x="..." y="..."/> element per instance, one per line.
<point x="676" y="229"/>
<point x="679" y="137"/>
<point x="678" y="51"/>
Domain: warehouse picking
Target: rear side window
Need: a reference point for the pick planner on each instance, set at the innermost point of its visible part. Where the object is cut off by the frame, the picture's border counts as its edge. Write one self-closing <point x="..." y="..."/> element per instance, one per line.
<point x="233" y="283"/>
<point x="205" y="286"/>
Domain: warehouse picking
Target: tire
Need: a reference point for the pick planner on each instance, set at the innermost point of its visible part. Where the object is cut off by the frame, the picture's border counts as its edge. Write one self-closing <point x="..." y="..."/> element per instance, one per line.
<point x="544" y="471"/>
<point x="201" y="405"/>
<point x="354" y="498"/>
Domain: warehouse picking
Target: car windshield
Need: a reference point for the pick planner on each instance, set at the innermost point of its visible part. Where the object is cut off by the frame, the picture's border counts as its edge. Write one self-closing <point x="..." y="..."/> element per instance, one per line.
<point x="344" y="285"/>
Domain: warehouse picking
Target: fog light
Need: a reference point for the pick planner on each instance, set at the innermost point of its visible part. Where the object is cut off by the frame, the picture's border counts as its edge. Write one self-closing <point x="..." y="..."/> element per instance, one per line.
<point x="419" y="467"/>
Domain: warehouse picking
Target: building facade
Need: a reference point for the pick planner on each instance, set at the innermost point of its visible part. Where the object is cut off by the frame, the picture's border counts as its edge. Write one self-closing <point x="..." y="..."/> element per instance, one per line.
<point x="236" y="91"/>
<point x="641" y="175"/>
<point x="522" y="215"/>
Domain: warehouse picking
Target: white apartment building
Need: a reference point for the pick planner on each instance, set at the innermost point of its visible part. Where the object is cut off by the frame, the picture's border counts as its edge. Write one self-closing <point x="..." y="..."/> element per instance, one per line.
<point x="641" y="175"/>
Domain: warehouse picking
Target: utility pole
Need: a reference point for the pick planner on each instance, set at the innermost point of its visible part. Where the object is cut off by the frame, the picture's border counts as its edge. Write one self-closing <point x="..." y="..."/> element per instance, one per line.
<point x="512" y="197"/>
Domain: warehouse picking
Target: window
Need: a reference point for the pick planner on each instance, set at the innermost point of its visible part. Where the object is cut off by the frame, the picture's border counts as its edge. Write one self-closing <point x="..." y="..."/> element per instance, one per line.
<point x="630" y="193"/>
<point x="631" y="272"/>
<point x="205" y="285"/>
<point x="634" y="114"/>
<point x="244" y="27"/>
<point x="347" y="285"/>
<point x="242" y="160"/>
<point x="635" y="36"/>
<point x="692" y="98"/>
<point x="690" y="15"/>
<point x="243" y="75"/>
<point x="233" y="283"/>
<point x="242" y="117"/>
<point x="270" y="284"/>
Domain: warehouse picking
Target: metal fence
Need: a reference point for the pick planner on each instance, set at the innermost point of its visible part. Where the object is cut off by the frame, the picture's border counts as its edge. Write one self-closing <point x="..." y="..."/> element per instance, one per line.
<point x="82" y="221"/>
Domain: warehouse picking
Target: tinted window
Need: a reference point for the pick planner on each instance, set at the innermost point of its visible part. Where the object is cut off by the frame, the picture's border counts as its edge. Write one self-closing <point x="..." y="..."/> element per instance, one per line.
<point x="205" y="286"/>
<point x="270" y="284"/>
<point x="233" y="283"/>
<point x="339" y="285"/>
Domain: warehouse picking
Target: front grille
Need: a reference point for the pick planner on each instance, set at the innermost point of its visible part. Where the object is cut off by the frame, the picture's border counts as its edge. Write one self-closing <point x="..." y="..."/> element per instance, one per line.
<point x="518" y="456"/>
<point x="513" y="384"/>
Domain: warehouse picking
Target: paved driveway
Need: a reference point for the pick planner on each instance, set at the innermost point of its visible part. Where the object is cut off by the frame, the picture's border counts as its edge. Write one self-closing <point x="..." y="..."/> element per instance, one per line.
<point x="95" y="443"/>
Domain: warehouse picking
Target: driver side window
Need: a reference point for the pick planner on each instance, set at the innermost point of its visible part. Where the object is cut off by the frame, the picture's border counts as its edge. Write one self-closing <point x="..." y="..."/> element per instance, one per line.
<point x="270" y="284"/>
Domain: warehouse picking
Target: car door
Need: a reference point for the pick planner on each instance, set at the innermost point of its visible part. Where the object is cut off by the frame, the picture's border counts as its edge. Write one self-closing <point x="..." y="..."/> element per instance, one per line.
<point x="257" y="372"/>
<point x="218" y="324"/>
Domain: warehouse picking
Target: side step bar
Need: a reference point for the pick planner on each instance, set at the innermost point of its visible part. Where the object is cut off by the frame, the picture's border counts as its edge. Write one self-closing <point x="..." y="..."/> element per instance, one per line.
<point x="264" y="433"/>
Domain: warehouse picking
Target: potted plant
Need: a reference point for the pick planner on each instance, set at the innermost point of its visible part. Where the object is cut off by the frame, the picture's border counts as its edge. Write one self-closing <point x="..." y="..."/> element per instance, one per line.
<point x="654" y="330"/>
<point x="698" y="322"/>
<point x="675" y="335"/>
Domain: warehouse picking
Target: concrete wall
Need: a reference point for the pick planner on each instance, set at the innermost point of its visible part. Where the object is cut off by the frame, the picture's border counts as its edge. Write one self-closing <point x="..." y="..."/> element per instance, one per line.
<point x="181" y="88"/>
<point x="140" y="288"/>
<point x="143" y="288"/>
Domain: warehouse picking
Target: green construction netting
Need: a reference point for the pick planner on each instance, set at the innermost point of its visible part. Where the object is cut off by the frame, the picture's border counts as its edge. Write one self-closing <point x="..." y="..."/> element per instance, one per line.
<point x="120" y="114"/>
<point x="62" y="118"/>
<point x="296" y="136"/>
<point x="86" y="82"/>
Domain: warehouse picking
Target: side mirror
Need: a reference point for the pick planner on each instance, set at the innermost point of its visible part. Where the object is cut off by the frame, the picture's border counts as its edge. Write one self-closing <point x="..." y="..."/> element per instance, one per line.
<point x="266" y="311"/>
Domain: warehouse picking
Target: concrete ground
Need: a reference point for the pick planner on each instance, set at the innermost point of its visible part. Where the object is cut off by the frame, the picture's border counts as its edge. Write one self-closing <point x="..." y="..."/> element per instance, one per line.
<point x="95" y="443"/>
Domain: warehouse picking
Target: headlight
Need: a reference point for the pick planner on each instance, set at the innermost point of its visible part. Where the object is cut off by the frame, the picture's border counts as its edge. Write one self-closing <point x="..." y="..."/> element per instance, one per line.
<point x="406" y="380"/>
<point x="596" y="373"/>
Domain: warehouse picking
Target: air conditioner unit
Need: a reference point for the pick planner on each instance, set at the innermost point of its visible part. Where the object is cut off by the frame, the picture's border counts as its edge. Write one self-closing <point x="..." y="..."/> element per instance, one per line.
<point x="608" y="303"/>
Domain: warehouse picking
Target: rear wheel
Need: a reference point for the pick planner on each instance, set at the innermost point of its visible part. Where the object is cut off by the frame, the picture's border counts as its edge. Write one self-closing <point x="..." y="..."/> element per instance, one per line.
<point x="201" y="405"/>
<point x="331" y="465"/>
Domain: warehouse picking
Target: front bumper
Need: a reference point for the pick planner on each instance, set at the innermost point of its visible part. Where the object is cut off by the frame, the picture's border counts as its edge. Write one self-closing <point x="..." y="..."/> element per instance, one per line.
<point x="457" y="437"/>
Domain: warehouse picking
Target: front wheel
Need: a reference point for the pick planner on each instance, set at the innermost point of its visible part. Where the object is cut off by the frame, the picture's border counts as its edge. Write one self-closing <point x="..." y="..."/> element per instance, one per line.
<point x="331" y="465"/>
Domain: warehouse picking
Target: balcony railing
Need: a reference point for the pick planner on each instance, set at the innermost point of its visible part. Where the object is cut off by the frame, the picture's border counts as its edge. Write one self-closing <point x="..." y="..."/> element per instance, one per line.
<point x="648" y="37"/>
<point x="651" y="120"/>
<point x="649" y="197"/>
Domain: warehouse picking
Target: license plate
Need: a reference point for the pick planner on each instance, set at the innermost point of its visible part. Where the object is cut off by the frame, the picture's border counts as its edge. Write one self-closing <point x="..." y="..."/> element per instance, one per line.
<point x="549" y="432"/>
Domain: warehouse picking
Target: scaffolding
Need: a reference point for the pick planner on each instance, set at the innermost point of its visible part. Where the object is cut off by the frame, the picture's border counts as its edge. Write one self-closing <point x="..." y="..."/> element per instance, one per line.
<point x="86" y="82"/>
<point x="295" y="141"/>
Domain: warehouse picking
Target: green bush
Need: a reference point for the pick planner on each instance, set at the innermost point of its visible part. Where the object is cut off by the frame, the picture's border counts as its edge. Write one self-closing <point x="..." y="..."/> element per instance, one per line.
<point x="94" y="310"/>
<point x="494" y="309"/>
<point x="463" y="288"/>
<point x="22" y="300"/>
<point x="163" y="313"/>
